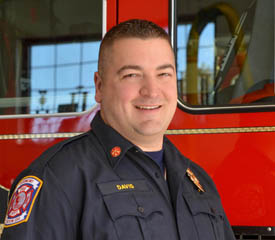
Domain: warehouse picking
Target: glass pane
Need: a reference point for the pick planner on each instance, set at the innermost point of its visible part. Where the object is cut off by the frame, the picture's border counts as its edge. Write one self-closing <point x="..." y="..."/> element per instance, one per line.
<point x="225" y="52"/>
<point x="68" y="77"/>
<point x="49" y="55"/>
<point x="42" y="79"/>
<point x="88" y="73"/>
<point x="89" y="48"/>
<point x="42" y="56"/>
<point x="68" y="53"/>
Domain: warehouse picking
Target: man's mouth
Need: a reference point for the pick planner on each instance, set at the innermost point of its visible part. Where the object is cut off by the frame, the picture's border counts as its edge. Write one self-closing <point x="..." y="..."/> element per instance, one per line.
<point x="148" y="107"/>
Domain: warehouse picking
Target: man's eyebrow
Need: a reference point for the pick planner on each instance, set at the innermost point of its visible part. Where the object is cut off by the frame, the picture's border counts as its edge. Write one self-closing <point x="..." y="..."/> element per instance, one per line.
<point x="137" y="67"/>
<point x="164" y="66"/>
<point x="126" y="67"/>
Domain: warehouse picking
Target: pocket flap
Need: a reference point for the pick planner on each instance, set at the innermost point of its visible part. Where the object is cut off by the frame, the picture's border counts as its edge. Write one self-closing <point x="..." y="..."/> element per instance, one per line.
<point x="203" y="204"/>
<point x="138" y="201"/>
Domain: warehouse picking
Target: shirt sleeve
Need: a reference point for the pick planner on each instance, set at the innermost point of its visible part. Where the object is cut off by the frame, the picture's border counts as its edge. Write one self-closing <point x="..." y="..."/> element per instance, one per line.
<point x="39" y="209"/>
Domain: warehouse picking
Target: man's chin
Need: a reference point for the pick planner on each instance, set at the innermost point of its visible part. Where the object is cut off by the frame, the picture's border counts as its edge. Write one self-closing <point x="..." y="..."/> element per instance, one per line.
<point x="151" y="129"/>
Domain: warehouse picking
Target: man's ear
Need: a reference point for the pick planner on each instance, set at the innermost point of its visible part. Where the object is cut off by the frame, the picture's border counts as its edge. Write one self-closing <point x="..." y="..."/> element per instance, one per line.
<point x="98" y="87"/>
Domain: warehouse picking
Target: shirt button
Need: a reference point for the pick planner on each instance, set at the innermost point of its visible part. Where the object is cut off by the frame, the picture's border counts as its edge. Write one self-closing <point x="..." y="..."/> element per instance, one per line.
<point x="212" y="210"/>
<point x="157" y="175"/>
<point x="140" y="209"/>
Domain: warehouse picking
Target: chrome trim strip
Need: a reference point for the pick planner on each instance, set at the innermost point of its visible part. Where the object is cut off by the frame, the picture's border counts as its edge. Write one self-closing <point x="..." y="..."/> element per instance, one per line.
<point x="197" y="109"/>
<point x="173" y="15"/>
<point x="220" y="130"/>
<point x="104" y="17"/>
<point x="69" y="114"/>
<point x="38" y="136"/>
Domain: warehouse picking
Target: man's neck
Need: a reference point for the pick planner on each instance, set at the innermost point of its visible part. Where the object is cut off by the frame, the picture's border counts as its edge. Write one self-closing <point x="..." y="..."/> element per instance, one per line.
<point x="149" y="146"/>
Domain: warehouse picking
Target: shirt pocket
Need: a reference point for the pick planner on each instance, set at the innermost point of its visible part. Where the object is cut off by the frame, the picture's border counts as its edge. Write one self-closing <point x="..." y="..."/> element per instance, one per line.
<point x="133" y="212"/>
<point x="207" y="214"/>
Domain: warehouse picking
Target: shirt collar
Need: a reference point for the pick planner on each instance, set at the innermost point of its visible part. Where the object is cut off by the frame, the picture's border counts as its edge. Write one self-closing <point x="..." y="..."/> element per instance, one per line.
<point x="175" y="162"/>
<point x="115" y="146"/>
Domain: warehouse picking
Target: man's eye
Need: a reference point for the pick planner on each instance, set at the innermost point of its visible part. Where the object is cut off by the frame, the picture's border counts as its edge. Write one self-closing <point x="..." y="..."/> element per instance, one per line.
<point x="164" y="74"/>
<point x="130" y="75"/>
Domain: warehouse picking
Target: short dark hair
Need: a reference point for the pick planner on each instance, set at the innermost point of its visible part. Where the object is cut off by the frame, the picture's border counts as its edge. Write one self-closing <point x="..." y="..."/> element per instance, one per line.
<point x="134" y="28"/>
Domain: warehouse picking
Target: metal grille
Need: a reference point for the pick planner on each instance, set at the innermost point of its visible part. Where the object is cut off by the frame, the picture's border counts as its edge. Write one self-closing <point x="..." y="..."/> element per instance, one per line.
<point x="253" y="237"/>
<point x="254" y="232"/>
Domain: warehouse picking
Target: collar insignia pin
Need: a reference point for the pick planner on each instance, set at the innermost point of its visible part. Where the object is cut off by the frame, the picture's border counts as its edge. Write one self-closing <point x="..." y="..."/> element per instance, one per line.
<point x="115" y="152"/>
<point x="194" y="179"/>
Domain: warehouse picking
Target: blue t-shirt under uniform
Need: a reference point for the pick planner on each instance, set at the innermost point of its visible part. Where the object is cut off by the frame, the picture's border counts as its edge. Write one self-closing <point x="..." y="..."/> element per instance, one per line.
<point x="157" y="156"/>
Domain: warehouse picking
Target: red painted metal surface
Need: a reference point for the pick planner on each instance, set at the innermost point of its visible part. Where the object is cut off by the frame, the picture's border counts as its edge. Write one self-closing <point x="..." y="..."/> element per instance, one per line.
<point x="145" y="9"/>
<point x="111" y="13"/>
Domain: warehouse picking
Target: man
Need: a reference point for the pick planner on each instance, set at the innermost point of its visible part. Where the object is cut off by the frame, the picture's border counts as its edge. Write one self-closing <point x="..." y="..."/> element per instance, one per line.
<point x="123" y="179"/>
<point x="3" y="206"/>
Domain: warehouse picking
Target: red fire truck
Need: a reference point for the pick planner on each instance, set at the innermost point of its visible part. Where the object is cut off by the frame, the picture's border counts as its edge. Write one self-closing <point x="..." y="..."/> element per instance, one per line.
<point x="225" y="119"/>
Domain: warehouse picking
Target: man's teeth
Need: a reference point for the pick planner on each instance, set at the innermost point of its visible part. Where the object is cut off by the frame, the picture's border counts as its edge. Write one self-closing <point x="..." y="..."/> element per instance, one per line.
<point x="148" y="107"/>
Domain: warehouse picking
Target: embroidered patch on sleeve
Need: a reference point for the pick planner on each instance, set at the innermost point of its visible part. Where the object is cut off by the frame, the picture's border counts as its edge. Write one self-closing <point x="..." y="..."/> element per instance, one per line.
<point x="22" y="200"/>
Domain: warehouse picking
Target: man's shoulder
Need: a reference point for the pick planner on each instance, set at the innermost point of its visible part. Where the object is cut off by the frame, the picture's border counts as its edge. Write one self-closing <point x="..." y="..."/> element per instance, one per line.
<point x="63" y="149"/>
<point x="193" y="169"/>
<point x="62" y="158"/>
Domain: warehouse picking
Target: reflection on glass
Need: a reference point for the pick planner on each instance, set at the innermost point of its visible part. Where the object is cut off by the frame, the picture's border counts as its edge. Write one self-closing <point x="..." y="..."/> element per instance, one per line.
<point x="225" y="52"/>
<point x="66" y="84"/>
<point x="87" y="72"/>
<point x="42" y="78"/>
<point x="205" y="61"/>
<point x="66" y="76"/>
<point x="68" y="53"/>
<point x="48" y="56"/>
<point x="89" y="48"/>
<point x="42" y="56"/>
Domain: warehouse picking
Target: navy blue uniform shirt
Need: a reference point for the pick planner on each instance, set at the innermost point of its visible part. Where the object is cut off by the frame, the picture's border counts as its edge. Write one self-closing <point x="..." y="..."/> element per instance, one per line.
<point x="99" y="186"/>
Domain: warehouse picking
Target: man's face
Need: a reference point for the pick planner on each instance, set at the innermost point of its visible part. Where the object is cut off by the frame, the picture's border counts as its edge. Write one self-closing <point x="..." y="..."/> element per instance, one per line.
<point x="138" y="91"/>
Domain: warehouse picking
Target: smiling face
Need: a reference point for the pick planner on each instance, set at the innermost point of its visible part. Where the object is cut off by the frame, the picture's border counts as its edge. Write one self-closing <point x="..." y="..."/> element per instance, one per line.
<point x="138" y="91"/>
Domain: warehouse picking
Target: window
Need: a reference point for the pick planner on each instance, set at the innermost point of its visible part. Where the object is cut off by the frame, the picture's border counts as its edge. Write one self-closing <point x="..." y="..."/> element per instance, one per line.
<point x="225" y="52"/>
<point x="61" y="77"/>
<point x="50" y="52"/>
<point x="205" y="61"/>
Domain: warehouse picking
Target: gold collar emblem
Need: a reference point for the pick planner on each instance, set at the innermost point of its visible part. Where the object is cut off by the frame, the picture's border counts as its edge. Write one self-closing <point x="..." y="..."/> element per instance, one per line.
<point x="194" y="179"/>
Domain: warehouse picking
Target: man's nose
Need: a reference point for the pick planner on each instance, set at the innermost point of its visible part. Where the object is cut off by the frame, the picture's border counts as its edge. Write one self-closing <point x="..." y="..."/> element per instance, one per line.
<point x="149" y="87"/>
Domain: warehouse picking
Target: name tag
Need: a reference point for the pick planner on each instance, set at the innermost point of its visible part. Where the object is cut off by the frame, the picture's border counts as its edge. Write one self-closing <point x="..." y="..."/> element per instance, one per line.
<point x="123" y="186"/>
